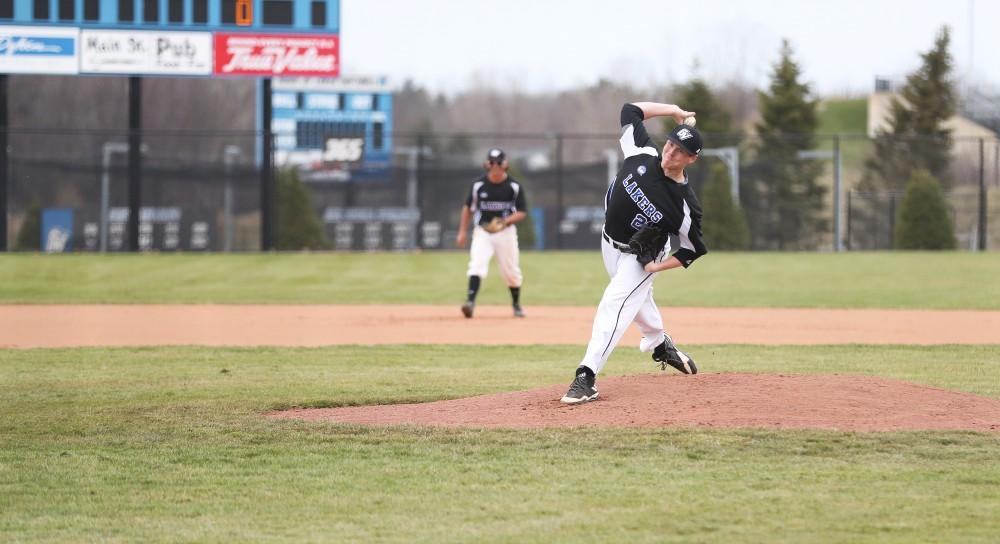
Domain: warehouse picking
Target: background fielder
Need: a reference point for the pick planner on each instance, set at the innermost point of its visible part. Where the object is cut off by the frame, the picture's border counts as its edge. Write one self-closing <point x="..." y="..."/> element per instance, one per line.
<point x="650" y="189"/>
<point x="495" y="204"/>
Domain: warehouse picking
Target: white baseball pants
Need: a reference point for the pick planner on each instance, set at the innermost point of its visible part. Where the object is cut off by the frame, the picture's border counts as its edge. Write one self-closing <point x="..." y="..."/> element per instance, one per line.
<point x="628" y="298"/>
<point x="503" y="244"/>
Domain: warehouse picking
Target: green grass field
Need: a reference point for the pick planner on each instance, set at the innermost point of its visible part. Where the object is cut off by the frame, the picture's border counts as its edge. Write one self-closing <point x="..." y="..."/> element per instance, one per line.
<point x="168" y="444"/>
<point x="938" y="280"/>
<point x="845" y="116"/>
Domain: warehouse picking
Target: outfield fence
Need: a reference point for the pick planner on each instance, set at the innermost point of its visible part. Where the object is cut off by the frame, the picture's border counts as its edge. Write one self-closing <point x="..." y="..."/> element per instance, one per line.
<point x="201" y="191"/>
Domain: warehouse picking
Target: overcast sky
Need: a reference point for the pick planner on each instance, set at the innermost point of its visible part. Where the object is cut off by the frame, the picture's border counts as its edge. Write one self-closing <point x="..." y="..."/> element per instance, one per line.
<point x="543" y="45"/>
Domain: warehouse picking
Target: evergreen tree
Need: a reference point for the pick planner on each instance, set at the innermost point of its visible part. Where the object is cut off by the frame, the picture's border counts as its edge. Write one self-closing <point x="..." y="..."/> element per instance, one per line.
<point x="724" y="225"/>
<point x="298" y="225"/>
<point x="29" y="237"/>
<point x="526" y="228"/>
<point x="714" y="122"/>
<point x="923" y="221"/>
<point x="915" y="137"/>
<point x="461" y="147"/>
<point x="787" y="199"/>
<point x="526" y="238"/>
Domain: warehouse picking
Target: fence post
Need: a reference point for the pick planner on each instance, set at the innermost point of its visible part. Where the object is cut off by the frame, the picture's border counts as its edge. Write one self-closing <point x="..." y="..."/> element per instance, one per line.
<point x="3" y="162"/>
<point x="134" y="160"/>
<point x="418" y="203"/>
<point x="849" y="219"/>
<point x="982" y="195"/>
<point x="229" y="155"/>
<point x="892" y="220"/>
<point x="838" y="243"/>
<point x="559" y="190"/>
<point x="267" y="188"/>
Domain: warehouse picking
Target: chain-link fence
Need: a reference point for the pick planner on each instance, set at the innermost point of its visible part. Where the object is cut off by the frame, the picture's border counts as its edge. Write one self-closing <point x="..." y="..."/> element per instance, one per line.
<point x="201" y="191"/>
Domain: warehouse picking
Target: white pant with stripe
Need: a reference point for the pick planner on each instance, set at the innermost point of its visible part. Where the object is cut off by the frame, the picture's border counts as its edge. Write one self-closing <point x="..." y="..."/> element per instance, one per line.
<point x="503" y="244"/>
<point x="628" y="298"/>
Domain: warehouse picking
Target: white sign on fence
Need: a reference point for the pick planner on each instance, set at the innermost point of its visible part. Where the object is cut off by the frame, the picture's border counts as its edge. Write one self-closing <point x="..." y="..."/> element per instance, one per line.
<point x="38" y="50"/>
<point x="145" y="52"/>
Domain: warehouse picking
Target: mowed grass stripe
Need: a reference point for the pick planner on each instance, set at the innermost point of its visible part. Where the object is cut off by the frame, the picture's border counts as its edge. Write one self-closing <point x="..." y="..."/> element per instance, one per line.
<point x="932" y="280"/>
<point x="167" y="444"/>
<point x="257" y="378"/>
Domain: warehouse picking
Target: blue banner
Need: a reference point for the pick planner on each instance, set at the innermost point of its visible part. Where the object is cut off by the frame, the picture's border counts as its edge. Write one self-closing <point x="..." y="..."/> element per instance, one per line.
<point x="39" y="50"/>
<point x="57" y="230"/>
<point x="18" y="45"/>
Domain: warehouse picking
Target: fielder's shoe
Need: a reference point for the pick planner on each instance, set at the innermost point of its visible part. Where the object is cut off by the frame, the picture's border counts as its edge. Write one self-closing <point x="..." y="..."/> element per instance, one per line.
<point x="668" y="354"/>
<point x="518" y="312"/>
<point x="581" y="390"/>
<point x="468" y="307"/>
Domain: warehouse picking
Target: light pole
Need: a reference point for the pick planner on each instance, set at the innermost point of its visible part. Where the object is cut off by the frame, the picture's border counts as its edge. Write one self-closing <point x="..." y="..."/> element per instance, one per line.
<point x="229" y="156"/>
<point x="838" y="243"/>
<point x="107" y="151"/>
<point x="413" y="154"/>
<point x="612" y="157"/>
<point x="731" y="157"/>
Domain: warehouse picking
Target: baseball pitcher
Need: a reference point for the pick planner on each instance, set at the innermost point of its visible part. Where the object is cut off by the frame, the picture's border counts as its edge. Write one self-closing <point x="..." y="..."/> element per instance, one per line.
<point x="495" y="204"/>
<point x="649" y="199"/>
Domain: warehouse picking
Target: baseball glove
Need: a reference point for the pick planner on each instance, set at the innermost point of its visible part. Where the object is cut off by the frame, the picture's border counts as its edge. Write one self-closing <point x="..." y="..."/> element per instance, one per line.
<point x="647" y="243"/>
<point x="495" y="225"/>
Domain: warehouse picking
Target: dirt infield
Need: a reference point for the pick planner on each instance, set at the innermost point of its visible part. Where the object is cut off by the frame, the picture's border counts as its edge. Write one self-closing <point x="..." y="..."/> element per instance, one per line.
<point x="652" y="400"/>
<point x="32" y="326"/>
<point x="742" y="400"/>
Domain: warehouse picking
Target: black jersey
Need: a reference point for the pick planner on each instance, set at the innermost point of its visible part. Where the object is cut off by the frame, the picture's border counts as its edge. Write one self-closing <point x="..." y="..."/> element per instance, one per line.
<point x="487" y="200"/>
<point x="642" y="194"/>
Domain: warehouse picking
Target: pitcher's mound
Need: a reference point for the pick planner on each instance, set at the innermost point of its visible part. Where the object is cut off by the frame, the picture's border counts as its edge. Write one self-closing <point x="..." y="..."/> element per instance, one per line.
<point x="838" y="402"/>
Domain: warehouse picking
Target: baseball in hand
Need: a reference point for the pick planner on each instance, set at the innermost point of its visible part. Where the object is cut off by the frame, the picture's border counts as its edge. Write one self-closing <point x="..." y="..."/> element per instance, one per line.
<point x="689" y="121"/>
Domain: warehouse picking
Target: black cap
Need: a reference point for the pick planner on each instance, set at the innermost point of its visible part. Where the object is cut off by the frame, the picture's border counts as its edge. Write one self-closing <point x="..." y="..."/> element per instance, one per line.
<point x="496" y="155"/>
<point x="687" y="137"/>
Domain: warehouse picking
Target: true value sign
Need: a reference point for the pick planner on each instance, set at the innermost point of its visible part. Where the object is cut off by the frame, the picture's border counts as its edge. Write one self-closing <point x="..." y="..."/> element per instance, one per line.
<point x="277" y="54"/>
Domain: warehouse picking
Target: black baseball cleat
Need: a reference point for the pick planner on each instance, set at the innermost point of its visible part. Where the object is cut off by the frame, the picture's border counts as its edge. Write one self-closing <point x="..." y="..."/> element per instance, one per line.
<point x="518" y="312"/>
<point x="468" y="307"/>
<point x="582" y="389"/>
<point x="668" y="354"/>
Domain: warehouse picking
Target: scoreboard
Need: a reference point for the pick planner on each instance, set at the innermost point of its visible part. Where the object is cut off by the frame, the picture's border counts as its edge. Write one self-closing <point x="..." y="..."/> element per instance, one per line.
<point x="282" y="15"/>
<point x="259" y="38"/>
<point x="333" y="129"/>
<point x="265" y="39"/>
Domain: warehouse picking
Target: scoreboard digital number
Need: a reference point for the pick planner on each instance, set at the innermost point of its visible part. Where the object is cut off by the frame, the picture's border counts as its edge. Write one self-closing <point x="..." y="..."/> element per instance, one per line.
<point x="244" y="12"/>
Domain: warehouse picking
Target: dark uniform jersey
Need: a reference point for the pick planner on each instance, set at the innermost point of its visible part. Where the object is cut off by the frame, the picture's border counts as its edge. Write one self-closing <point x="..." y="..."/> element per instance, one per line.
<point x="487" y="200"/>
<point x="642" y="194"/>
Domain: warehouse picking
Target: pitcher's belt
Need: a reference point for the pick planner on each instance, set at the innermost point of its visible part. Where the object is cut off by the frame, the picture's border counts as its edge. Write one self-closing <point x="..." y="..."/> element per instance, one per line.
<point x="614" y="243"/>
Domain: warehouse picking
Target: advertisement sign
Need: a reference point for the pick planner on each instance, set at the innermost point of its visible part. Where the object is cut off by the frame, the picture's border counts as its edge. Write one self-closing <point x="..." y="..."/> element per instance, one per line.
<point x="277" y="54"/>
<point x="333" y="130"/>
<point x="168" y="228"/>
<point x="57" y="230"/>
<point x="157" y="53"/>
<point x="38" y="50"/>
